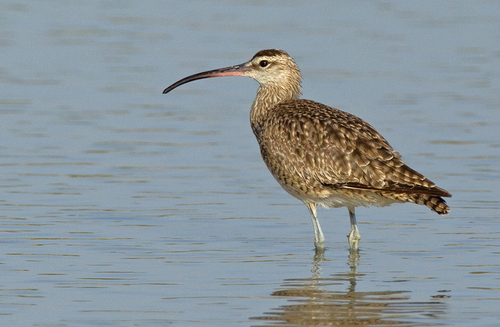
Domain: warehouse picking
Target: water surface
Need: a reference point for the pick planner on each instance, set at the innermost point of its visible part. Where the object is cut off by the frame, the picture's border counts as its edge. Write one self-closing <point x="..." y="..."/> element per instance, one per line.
<point x="125" y="207"/>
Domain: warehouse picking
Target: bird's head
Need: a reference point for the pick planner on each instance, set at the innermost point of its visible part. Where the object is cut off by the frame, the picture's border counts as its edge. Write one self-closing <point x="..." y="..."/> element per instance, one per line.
<point x="273" y="69"/>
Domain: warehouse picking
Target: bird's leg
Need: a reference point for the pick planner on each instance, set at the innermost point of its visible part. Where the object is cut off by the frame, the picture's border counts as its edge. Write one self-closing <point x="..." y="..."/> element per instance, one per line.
<point x="319" y="238"/>
<point x="354" y="235"/>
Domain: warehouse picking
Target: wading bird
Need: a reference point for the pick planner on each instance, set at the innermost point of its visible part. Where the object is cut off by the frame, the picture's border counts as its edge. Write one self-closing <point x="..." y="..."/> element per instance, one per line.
<point x="321" y="155"/>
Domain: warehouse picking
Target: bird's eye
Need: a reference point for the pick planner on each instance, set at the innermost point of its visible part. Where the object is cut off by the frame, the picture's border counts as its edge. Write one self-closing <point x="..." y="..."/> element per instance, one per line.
<point x="263" y="63"/>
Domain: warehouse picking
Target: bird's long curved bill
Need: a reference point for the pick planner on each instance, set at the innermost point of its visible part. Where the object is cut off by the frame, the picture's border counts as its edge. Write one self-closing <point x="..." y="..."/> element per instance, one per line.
<point x="237" y="70"/>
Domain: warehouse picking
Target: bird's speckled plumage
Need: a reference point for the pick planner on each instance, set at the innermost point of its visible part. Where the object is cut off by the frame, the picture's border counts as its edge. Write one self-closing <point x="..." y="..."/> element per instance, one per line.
<point x="333" y="158"/>
<point x="322" y="155"/>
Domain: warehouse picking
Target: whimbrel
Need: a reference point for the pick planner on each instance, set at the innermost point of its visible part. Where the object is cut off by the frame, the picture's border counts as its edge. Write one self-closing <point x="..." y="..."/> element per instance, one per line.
<point x="321" y="155"/>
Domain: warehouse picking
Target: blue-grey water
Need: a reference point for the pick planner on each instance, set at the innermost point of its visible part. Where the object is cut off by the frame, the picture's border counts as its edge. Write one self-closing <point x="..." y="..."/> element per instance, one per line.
<point x="121" y="206"/>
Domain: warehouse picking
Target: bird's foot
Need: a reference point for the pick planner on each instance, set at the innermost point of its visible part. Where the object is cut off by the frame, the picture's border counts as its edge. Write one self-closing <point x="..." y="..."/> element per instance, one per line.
<point x="353" y="239"/>
<point x="319" y="246"/>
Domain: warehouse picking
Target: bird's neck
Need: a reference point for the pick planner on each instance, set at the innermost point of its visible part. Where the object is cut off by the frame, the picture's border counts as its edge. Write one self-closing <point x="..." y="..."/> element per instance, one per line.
<point x="269" y="96"/>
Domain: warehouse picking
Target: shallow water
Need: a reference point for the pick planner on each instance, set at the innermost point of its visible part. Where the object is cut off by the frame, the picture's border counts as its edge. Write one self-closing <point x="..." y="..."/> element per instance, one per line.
<point x="125" y="207"/>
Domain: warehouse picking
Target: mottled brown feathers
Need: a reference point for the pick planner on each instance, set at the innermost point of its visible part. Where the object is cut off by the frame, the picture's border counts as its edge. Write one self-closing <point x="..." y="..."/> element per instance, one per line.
<point x="435" y="203"/>
<point x="312" y="148"/>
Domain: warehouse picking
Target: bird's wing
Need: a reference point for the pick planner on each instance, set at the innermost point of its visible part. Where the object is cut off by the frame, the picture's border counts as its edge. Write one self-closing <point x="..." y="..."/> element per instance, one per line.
<point x="337" y="149"/>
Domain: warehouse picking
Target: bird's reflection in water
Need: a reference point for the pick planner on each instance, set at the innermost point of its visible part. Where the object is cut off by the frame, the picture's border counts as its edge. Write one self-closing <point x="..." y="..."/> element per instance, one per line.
<point x="333" y="300"/>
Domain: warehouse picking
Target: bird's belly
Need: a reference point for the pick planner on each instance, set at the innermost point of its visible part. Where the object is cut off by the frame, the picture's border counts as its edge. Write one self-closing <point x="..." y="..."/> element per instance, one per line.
<point x="334" y="198"/>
